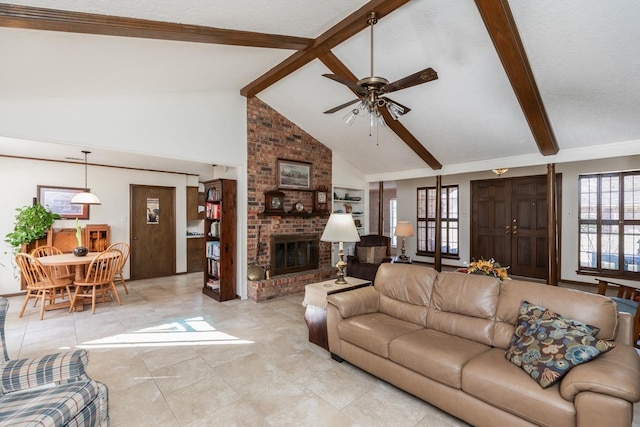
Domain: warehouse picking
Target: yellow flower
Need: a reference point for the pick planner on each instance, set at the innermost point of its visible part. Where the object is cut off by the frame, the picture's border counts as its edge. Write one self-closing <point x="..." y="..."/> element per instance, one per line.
<point x="488" y="268"/>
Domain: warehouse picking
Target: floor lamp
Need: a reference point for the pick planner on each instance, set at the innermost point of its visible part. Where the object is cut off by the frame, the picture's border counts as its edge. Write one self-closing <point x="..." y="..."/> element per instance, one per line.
<point x="340" y="228"/>
<point x="403" y="229"/>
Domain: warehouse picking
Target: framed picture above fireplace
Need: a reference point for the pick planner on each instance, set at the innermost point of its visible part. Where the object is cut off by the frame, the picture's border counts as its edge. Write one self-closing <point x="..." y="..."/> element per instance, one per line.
<point x="294" y="175"/>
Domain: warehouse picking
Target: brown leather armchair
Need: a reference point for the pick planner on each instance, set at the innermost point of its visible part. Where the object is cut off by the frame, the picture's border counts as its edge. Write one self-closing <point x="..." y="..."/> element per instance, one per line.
<point x="371" y="251"/>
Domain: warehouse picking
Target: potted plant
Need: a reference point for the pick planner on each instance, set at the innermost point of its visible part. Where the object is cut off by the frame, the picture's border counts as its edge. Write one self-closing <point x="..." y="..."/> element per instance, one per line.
<point x="32" y="223"/>
<point x="79" y="250"/>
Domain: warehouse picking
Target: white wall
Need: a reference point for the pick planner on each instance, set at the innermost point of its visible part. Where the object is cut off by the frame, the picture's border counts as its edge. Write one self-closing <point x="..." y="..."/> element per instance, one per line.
<point x="203" y="127"/>
<point x="407" y="205"/>
<point x="21" y="178"/>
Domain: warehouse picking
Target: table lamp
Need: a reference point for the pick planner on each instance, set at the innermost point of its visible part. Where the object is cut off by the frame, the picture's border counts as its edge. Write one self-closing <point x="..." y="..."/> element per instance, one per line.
<point x="340" y="228"/>
<point x="403" y="229"/>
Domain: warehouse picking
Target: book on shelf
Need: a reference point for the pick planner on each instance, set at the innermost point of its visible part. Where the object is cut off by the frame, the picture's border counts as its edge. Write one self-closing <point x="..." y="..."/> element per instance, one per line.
<point x="213" y="249"/>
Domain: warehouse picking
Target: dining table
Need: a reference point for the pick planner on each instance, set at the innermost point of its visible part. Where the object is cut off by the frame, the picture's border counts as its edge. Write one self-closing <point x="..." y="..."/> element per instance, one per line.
<point x="79" y="263"/>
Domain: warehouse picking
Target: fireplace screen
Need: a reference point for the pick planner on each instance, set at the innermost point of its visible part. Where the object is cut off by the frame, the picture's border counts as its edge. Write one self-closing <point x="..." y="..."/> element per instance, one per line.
<point x="294" y="252"/>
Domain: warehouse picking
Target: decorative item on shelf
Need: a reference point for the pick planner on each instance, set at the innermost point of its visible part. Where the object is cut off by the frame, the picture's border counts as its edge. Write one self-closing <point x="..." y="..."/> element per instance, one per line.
<point x="274" y="202"/>
<point x="357" y="222"/>
<point x="484" y="267"/>
<point x="85" y="197"/>
<point x="403" y="229"/>
<point x="321" y="200"/>
<point x="267" y="272"/>
<point x="298" y="207"/>
<point x="500" y="171"/>
<point x="79" y="250"/>
<point x="254" y="271"/>
<point x="340" y="228"/>
<point x="355" y="198"/>
<point x="347" y="207"/>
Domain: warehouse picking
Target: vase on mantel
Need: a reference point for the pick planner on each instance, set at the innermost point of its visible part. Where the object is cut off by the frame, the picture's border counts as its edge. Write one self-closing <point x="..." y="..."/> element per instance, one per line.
<point x="80" y="251"/>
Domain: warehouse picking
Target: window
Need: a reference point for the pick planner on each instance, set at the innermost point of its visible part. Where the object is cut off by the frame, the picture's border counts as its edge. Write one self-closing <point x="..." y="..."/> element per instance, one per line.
<point x="427" y="204"/>
<point x="609" y="223"/>
<point x="393" y="220"/>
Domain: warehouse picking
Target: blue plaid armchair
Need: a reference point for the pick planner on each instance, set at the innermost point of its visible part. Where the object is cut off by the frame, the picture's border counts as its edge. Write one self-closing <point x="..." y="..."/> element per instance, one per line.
<point x="52" y="390"/>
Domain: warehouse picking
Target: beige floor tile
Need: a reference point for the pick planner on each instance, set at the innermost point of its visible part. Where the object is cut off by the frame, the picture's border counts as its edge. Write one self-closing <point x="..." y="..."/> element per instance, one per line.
<point x="173" y="357"/>
<point x="196" y="401"/>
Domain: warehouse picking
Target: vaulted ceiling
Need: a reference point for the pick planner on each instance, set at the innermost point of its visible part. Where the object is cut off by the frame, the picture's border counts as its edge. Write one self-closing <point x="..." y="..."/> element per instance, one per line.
<point x="519" y="82"/>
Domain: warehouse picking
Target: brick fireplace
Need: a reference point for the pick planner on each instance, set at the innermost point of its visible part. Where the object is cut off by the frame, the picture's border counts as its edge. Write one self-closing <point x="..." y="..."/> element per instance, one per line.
<point x="271" y="136"/>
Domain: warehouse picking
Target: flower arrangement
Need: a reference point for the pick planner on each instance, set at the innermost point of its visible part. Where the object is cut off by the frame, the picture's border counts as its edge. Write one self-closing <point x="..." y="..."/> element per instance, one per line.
<point x="486" y="267"/>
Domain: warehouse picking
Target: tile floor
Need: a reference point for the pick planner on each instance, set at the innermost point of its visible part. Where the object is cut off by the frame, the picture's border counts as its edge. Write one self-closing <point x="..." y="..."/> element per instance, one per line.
<point x="173" y="357"/>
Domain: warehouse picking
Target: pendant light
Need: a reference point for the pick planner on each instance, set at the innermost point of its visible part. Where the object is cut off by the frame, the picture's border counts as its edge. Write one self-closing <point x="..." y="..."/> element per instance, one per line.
<point x="85" y="197"/>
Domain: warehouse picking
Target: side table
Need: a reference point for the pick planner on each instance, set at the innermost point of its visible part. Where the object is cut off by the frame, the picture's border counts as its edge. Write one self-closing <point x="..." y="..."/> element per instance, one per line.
<point x="315" y="299"/>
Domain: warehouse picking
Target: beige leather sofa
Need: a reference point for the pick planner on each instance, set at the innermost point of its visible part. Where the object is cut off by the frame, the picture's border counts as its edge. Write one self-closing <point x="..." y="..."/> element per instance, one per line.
<point x="442" y="337"/>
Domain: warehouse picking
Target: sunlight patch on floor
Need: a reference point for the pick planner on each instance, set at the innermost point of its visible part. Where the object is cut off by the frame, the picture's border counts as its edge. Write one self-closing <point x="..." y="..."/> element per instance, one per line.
<point x="186" y="332"/>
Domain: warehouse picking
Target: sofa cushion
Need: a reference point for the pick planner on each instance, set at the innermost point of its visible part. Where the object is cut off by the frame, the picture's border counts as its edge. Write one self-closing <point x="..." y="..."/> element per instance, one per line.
<point x="371" y="254"/>
<point x="434" y="354"/>
<point x="464" y="305"/>
<point x="374" y="331"/>
<point x="547" y="345"/>
<point x="493" y="379"/>
<point x="592" y="309"/>
<point x="53" y="406"/>
<point x="405" y="291"/>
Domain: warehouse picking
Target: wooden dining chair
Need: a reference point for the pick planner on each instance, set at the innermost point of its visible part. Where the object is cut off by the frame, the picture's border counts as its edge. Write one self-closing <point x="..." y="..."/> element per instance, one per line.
<point x="40" y="284"/>
<point x="99" y="278"/>
<point x="57" y="271"/>
<point x="124" y="248"/>
<point x="626" y="300"/>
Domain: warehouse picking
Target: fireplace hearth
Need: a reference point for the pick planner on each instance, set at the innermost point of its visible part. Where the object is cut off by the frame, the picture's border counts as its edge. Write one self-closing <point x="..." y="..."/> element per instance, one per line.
<point x="291" y="253"/>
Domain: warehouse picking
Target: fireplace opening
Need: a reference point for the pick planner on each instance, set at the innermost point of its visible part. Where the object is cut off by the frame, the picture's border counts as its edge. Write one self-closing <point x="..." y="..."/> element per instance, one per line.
<point x="291" y="253"/>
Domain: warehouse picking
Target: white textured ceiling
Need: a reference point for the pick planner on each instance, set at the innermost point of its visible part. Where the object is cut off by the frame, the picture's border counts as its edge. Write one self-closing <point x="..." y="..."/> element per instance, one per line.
<point x="583" y="53"/>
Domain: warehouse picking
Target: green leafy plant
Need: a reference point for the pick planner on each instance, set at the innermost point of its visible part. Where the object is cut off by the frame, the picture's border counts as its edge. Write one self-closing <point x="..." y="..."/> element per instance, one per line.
<point x="32" y="223"/>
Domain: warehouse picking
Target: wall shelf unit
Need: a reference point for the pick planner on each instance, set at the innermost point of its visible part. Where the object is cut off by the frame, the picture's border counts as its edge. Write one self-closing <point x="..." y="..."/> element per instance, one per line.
<point x="348" y="200"/>
<point x="220" y="239"/>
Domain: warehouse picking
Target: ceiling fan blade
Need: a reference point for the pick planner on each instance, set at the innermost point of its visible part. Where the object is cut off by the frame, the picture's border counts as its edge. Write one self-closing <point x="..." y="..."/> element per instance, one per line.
<point x="351" y="85"/>
<point x="401" y="111"/>
<point x="414" y="79"/>
<point x="340" y="107"/>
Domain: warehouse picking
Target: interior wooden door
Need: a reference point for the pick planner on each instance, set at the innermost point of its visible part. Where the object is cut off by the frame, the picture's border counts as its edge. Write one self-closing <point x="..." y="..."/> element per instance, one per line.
<point x="529" y="227"/>
<point x="509" y="223"/>
<point x="153" y="231"/>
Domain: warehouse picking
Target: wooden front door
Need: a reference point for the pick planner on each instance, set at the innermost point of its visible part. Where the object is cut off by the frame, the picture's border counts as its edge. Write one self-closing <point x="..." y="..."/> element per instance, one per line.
<point x="153" y="231"/>
<point x="509" y="223"/>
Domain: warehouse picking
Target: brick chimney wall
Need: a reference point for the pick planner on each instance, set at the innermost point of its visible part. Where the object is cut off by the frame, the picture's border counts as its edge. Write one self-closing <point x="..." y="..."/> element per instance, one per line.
<point x="271" y="136"/>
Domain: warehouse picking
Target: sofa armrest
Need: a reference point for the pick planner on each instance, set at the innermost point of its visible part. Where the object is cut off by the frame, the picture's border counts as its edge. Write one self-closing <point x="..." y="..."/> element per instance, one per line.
<point x="355" y="302"/>
<point x="23" y="374"/>
<point x="614" y="373"/>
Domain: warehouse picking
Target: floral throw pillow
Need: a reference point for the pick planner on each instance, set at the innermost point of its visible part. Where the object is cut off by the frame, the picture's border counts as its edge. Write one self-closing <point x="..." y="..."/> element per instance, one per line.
<point x="546" y="345"/>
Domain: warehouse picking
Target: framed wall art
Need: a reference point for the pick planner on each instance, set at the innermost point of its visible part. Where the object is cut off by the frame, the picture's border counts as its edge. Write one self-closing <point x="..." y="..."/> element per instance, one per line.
<point x="58" y="200"/>
<point x="294" y="175"/>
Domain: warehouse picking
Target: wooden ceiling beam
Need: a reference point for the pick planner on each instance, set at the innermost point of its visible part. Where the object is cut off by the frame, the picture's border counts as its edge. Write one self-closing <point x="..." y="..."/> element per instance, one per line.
<point x="337" y="34"/>
<point x="36" y="18"/>
<point x="502" y="28"/>
<point x="337" y="67"/>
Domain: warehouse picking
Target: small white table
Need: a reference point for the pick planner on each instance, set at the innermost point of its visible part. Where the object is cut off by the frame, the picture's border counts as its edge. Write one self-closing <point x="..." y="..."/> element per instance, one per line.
<point x="315" y="299"/>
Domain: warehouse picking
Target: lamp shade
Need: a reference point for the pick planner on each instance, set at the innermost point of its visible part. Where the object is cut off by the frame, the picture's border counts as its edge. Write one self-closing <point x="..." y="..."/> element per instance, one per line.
<point x="340" y="228"/>
<point x="85" y="198"/>
<point x="403" y="229"/>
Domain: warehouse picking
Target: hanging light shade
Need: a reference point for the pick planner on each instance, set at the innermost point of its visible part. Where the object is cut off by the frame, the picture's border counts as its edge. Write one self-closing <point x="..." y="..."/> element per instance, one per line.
<point x="85" y="197"/>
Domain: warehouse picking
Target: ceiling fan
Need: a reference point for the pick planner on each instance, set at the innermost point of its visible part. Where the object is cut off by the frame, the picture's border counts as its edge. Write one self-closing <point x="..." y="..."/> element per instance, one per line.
<point x="370" y="90"/>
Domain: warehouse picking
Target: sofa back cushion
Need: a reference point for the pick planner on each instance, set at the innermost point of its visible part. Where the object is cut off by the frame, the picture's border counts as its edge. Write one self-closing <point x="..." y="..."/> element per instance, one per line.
<point x="464" y="305"/>
<point x="405" y="291"/>
<point x="591" y="309"/>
